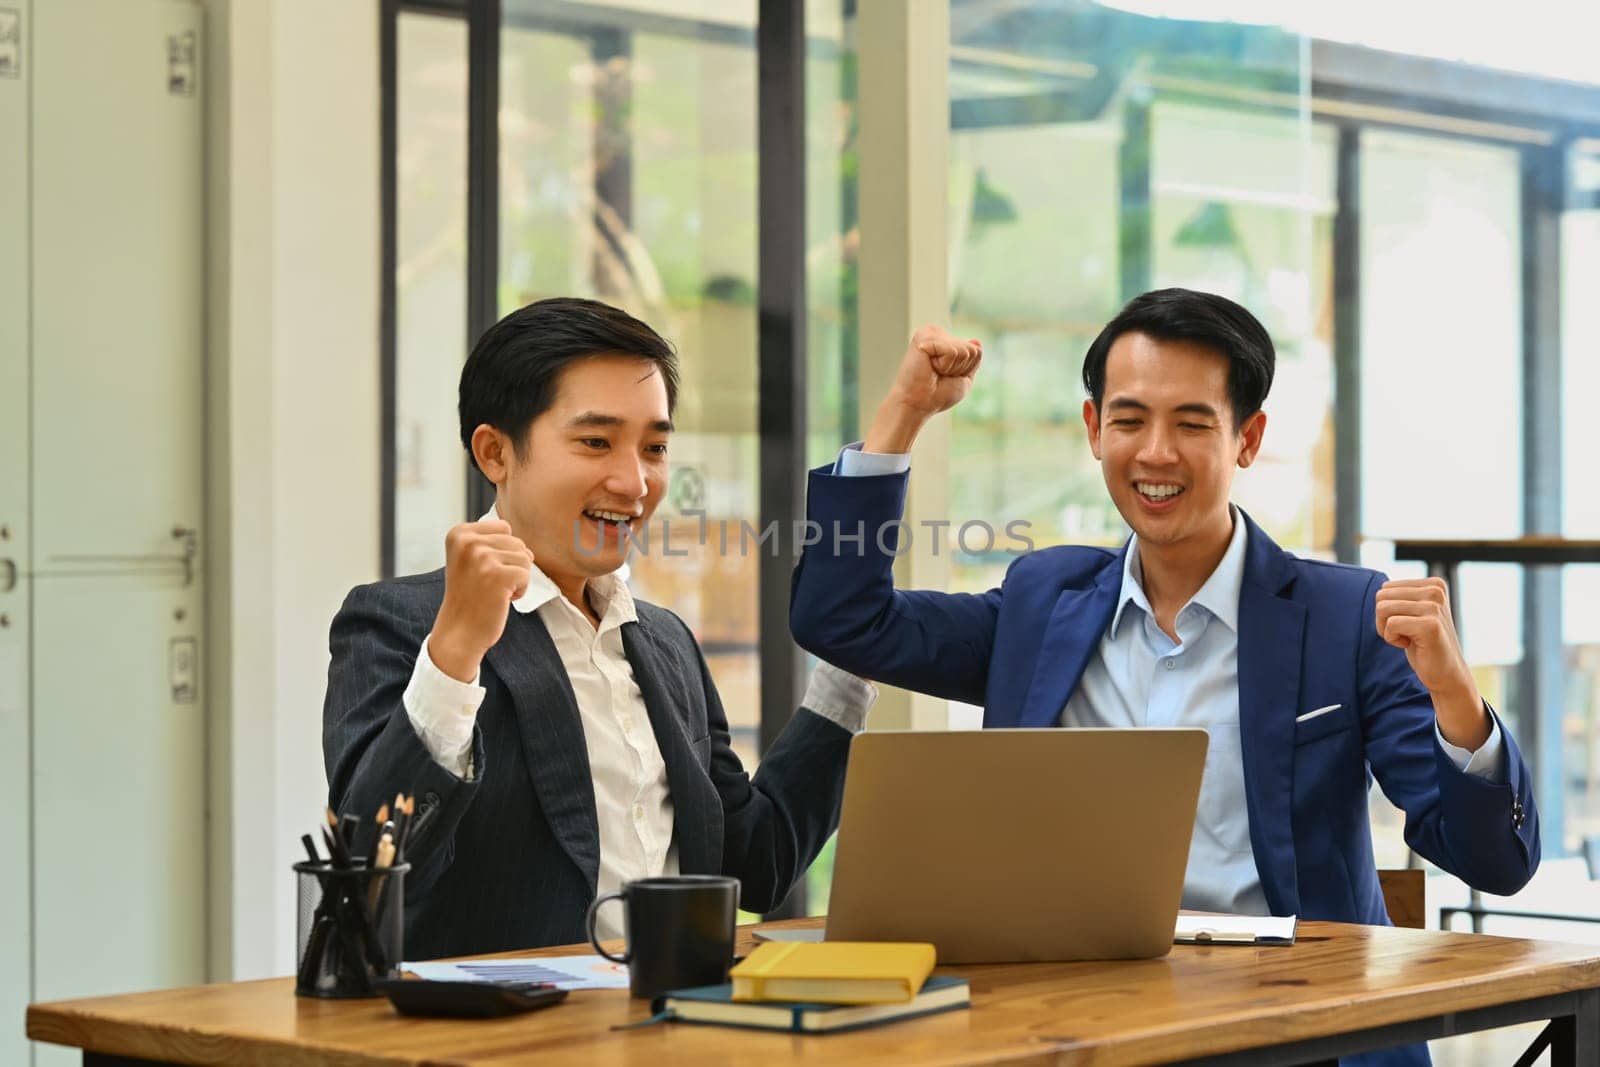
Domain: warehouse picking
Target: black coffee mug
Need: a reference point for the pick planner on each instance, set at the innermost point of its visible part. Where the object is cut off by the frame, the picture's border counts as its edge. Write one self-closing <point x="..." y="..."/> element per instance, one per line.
<point x="678" y="931"/>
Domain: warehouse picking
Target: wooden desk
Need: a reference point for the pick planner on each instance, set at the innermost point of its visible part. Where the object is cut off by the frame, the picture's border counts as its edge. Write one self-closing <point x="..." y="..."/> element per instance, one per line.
<point x="1340" y="989"/>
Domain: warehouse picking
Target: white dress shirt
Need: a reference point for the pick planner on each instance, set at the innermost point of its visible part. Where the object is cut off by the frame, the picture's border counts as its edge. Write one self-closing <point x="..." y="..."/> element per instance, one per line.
<point x="1139" y="676"/>
<point x="633" y="804"/>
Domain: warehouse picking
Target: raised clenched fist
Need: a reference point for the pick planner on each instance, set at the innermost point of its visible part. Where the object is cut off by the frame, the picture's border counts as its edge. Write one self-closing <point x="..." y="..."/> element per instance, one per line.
<point x="1414" y="616"/>
<point x="935" y="375"/>
<point x="486" y="568"/>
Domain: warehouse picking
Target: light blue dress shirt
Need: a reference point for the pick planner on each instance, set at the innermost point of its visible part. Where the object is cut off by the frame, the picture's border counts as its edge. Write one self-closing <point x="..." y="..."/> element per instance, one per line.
<point x="1141" y="677"/>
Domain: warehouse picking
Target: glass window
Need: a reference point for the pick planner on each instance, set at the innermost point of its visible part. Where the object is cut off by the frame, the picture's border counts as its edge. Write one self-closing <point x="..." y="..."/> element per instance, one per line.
<point x="628" y="174"/>
<point x="1441" y="330"/>
<point x="430" y="285"/>
<point x="1033" y="269"/>
<point x="1441" y="285"/>
<point x="1255" y="224"/>
<point x="1580" y="336"/>
<point x="1084" y="170"/>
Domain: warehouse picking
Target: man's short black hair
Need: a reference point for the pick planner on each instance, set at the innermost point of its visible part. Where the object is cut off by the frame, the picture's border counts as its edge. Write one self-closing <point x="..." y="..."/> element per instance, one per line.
<point x="511" y="376"/>
<point x="1200" y="318"/>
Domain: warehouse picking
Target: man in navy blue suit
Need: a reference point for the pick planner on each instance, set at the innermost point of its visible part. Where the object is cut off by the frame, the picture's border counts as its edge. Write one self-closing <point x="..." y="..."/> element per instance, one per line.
<point x="1305" y="674"/>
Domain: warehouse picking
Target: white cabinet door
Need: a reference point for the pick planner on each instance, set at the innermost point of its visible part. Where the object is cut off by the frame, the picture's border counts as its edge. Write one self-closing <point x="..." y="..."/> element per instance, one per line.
<point x="117" y="276"/>
<point x="118" y="787"/>
<point x="16" y="952"/>
<point x="118" y="279"/>
<point x="16" y="875"/>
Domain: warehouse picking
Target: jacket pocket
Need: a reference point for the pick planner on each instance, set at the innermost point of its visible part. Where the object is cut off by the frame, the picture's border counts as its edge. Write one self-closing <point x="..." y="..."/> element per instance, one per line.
<point x="1315" y="726"/>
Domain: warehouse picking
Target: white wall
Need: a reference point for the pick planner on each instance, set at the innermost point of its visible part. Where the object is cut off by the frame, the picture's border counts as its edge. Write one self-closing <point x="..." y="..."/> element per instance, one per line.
<point x="293" y="430"/>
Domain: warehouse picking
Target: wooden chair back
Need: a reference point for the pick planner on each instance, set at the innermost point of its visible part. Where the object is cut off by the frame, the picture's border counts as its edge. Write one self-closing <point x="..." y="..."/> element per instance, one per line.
<point x="1404" y="894"/>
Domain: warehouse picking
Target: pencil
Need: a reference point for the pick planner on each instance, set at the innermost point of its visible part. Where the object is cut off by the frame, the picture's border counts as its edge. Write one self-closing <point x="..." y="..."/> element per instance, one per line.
<point x="382" y="857"/>
<point x="399" y="823"/>
<point x="377" y="831"/>
<point x="405" y="829"/>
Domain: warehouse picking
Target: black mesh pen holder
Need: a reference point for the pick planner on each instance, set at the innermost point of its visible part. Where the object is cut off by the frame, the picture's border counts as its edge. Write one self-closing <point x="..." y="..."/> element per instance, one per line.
<point x="349" y="928"/>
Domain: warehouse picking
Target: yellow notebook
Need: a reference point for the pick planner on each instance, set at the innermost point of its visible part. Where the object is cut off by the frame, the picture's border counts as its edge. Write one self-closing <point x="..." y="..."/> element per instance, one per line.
<point x="833" y="972"/>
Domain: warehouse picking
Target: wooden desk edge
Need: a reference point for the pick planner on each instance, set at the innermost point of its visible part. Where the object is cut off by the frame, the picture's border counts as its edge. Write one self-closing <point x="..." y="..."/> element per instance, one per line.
<point x="84" y="1023"/>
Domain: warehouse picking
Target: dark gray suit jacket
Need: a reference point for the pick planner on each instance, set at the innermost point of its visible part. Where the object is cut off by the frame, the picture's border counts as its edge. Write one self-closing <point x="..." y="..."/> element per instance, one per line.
<point x="509" y="859"/>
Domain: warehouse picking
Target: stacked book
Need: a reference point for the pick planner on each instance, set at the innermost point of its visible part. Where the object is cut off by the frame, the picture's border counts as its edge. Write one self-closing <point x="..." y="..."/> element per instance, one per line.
<point x="823" y="987"/>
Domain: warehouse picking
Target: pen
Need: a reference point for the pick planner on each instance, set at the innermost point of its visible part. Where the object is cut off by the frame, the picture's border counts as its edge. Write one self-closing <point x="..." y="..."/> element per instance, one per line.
<point x="349" y="826"/>
<point x="336" y="850"/>
<point x="316" y="948"/>
<point x="344" y="926"/>
<point x="404" y="837"/>
<point x="346" y="909"/>
<point x="339" y="857"/>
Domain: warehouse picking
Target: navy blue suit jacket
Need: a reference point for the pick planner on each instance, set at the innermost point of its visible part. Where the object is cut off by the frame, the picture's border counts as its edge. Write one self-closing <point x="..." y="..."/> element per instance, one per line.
<point x="1307" y="639"/>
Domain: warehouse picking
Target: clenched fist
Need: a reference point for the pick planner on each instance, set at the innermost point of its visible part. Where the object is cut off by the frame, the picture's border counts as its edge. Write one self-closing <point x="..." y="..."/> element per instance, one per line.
<point x="1414" y="615"/>
<point x="486" y="568"/>
<point x="935" y="375"/>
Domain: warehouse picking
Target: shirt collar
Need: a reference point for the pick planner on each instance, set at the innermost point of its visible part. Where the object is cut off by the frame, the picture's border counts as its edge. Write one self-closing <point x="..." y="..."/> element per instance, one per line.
<point x="1219" y="595"/>
<point x="608" y="593"/>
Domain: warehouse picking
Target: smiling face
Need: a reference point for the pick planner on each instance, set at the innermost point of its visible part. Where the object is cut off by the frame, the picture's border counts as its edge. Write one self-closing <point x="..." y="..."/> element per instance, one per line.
<point x="591" y="465"/>
<point x="1166" y="440"/>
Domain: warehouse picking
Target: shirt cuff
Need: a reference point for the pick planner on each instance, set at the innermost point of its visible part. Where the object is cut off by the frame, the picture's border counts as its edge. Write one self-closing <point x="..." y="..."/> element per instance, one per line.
<point x="1484" y="763"/>
<point x="443" y="711"/>
<point x="854" y="463"/>
<point x="840" y="697"/>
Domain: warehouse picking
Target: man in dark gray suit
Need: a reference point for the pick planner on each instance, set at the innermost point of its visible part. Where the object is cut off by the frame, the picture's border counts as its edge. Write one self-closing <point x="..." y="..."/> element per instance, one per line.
<point x="560" y="737"/>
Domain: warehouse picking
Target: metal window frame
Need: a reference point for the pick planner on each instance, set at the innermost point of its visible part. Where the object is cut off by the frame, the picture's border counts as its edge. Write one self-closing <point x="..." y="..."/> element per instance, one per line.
<point x="782" y="347"/>
<point x="1347" y="348"/>
<point x="388" y="300"/>
<point x="483" y="199"/>
<point x="1540" y="681"/>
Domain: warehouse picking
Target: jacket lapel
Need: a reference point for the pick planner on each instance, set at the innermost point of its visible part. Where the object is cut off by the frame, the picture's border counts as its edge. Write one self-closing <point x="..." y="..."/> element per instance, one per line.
<point x="553" y="745"/>
<point x="1271" y="645"/>
<point x="1077" y="623"/>
<point x="697" y="810"/>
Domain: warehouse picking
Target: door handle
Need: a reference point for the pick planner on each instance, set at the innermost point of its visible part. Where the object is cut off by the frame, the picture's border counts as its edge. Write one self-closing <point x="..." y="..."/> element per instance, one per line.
<point x="185" y="558"/>
<point x="8" y="575"/>
<point x="191" y="547"/>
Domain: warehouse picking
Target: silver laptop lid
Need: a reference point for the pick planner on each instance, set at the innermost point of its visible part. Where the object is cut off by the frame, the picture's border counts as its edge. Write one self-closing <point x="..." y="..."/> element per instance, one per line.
<point x="1013" y="845"/>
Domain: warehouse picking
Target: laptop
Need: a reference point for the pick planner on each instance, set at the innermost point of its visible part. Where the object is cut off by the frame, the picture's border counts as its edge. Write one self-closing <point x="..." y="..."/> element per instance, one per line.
<point x="1003" y="846"/>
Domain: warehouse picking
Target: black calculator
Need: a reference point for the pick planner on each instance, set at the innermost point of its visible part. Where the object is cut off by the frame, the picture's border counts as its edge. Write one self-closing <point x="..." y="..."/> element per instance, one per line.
<point x="467" y="1000"/>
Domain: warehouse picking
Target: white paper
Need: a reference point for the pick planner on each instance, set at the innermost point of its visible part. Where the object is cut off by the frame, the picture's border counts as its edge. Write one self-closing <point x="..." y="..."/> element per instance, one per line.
<point x="1236" y="928"/>
<point x="565" y="972"/>
<point x="808" y="934"/>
